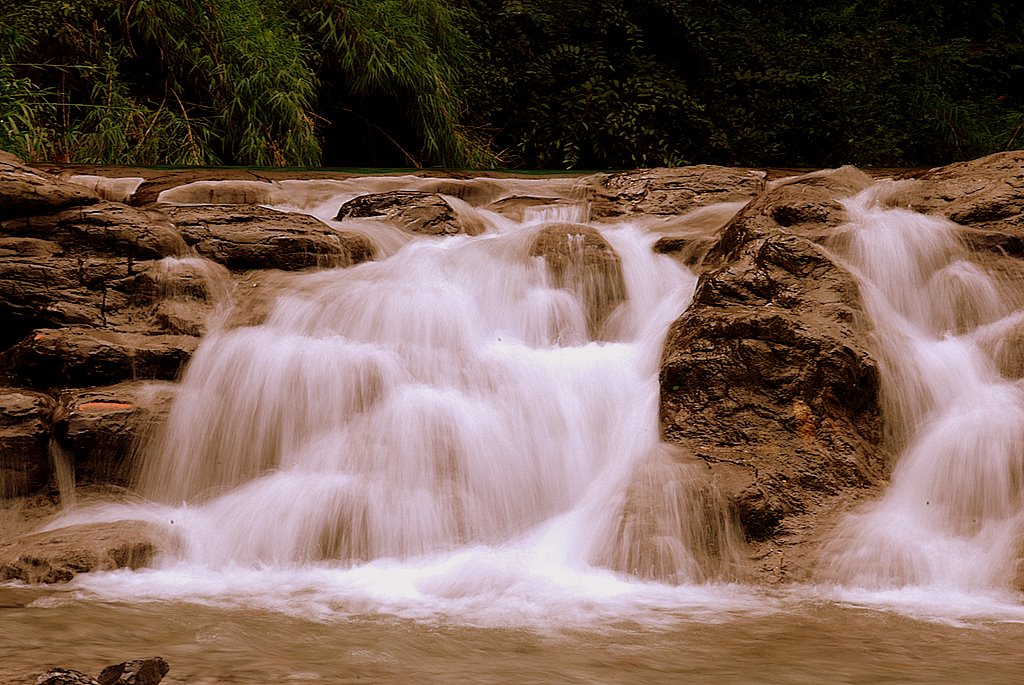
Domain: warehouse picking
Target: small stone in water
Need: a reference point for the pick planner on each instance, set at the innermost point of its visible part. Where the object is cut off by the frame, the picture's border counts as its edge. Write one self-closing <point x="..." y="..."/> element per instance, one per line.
<point x="64" y="676"/>
<point x="135" y="672"/>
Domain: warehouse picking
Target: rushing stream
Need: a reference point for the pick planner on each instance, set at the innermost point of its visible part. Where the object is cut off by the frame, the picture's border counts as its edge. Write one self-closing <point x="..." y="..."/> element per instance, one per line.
<point x="427" y="468"/>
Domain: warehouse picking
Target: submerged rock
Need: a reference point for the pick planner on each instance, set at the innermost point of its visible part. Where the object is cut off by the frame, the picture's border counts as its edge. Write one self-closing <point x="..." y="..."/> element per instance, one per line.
<point x="581" y="261"/>
<point x="135" y="672"/>
<point x="149" y="671"/>
<point x="65" y="676"/>
<point x="516" y="207"/>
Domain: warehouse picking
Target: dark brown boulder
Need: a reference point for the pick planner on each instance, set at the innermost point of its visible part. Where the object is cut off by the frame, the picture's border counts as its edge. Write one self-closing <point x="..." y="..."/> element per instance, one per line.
<point x="79" y="356"/>
<point x="135" y="672"/>
<point x="57" y="556"/>
<point x="672" y="191"/>
<point x="243" y="238"/>
<point x="417" y="212"/>
<point x="100" y="430"/>
<point x="581" y="261"/>
<point x="26" y="419"/>
<point x="768" y="376"/>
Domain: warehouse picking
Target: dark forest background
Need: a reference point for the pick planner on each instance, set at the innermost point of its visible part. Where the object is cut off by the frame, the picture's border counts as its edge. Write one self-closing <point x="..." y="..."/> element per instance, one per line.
<point x="559" y="84"/>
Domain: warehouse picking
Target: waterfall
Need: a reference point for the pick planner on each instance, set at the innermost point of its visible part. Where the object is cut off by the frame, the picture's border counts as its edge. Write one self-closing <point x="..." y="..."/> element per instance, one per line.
<point x="951" y="515"/>
<point x="460" y="398"/>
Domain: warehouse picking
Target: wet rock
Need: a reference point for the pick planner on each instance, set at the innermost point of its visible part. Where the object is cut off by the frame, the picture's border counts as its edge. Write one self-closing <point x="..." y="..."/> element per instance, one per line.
<point x="672" y="525"/>
<point x="672" y="191"/>
<point x="25" y="424"/>
<point x="217" y="192"/>
<point x="580" y="260"/>
<point x="989" y="190"/>
<point x="135" y="672"/>
<point x="27" y="192"/>
<point x="57" y="556"/>
<point x="80" y="356"/>
<point x="476" y="192"/>
<point x="260" y="238"/>
<point x="102" y="228"/>
<point x="65" y="676"/>
<point x="516" y="208"/>
<point x="417" y="212"/>
<point x="767" y="377"/>
<point x="689" y="237"/>
<point x="100" y="430"/>
<point x="181" y="295"/>
<point x="986" y="197"/>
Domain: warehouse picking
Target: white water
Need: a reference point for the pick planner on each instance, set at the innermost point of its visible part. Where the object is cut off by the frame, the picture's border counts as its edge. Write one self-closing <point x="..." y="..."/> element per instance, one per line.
<point x="440" y="431"/>
<point x="443" y="432"/>
<point x="951" y="518"/>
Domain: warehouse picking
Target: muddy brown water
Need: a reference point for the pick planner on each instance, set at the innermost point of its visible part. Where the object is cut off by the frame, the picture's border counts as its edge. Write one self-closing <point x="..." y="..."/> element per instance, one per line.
<point x="809" y="642"/>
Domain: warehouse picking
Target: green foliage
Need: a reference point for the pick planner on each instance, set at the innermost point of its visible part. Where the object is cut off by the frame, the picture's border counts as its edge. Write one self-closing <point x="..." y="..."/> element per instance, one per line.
<point x="581" y="84"/>
<point x="405" y="55"/>
<point x="576" y="85"/>
<point x="234" y="81"/>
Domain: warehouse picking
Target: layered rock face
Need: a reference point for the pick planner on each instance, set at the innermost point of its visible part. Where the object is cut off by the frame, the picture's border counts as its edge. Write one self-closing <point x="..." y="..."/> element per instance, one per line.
<point x="103" y="304"/>
<point x="770" y="384"/>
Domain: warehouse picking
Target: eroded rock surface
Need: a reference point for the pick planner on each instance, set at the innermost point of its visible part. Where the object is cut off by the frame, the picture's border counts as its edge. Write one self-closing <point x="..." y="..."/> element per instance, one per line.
<point x="672" y="191"/>
<point x="260" y="238"/>
<point x="417" y="212"/>
<point x="25" y="420"/>
<point x="767" y="377"/>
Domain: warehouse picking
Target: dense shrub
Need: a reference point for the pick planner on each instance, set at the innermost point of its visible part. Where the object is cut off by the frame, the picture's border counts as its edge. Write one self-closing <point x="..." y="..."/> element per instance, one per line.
<point x="532" y="83"/>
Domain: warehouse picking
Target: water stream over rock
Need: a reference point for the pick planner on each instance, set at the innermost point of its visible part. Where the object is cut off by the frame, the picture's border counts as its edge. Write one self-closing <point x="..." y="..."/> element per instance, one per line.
<point x="507" y="404"/>
<point x="952" y="515"/>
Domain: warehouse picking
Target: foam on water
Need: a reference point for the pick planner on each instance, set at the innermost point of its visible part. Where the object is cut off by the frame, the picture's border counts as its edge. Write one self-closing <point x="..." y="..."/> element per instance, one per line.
<point x="952" y="516"/>
<point x="448" y="433"/>
<point x="454" y="429"/>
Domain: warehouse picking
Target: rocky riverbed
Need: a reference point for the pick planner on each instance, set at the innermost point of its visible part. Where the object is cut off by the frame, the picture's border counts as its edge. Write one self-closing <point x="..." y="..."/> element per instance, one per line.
<point x="770" y="381"/>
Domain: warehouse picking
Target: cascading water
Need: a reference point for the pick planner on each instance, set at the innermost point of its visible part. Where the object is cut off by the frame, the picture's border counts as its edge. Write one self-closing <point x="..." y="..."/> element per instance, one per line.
<point x="467" y="419"/>
<point x="952" y="515"/>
